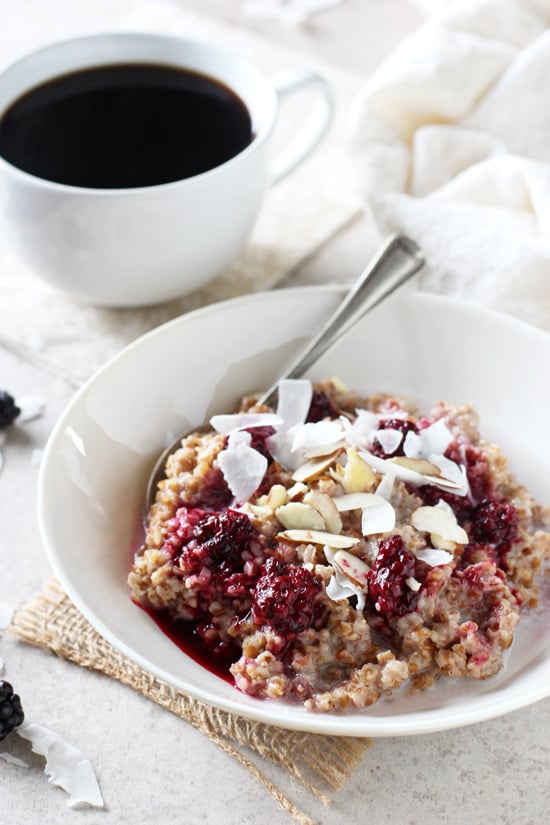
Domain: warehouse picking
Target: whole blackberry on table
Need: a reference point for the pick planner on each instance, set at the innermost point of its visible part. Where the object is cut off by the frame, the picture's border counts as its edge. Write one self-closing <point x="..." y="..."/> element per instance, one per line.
<point x="11" y="712"/>
<point x="8" y="409"/>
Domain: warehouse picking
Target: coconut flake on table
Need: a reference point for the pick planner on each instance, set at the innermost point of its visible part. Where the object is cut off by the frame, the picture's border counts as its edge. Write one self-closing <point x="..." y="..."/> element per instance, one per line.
<point x="432" y="440"/>
<point x="14" y="760"/>
<point x="242" y="466"/>
<point x="31" y="407"/>
<point x="65" y="766"/>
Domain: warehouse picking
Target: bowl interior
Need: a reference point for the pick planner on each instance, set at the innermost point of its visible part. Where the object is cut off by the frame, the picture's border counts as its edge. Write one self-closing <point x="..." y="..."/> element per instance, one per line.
<point x="96" y="463"/>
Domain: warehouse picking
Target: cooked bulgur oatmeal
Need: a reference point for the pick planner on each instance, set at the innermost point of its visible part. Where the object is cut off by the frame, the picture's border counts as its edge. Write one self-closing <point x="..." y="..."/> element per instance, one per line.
<point x="343" y="546"/>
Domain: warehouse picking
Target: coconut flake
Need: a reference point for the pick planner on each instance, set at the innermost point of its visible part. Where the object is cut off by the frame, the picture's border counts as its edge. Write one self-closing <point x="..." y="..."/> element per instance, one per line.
<point x="361" y="431"/>
<point x="389" y="439"/>
<point x="65" y="766"/>
<point x="385" y="488"/>
<point x="456" y="473"/>
<point x="243" y="468"/>
<point x="294" y="401"/>
<point x="318" y="434"/>
<point x="6" y="613"/>
<point x="434" y="557"/>
<point x="31" y="407"/>
<point x="432" y="440"/>
<point x="440" y="521"/>
<point x="313" y="468"/>
<point x="243" y="421"/>
<point x="14" y="760"/>
<point x="378" y="516"/>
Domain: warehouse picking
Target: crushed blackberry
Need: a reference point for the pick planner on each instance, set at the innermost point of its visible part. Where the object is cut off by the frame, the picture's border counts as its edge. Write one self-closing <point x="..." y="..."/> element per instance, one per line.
<point x="8" y="409"/>
<point x="320" y="407"/>
<point x="402" y="425"/>
<point x="11" y="712"/>
<point x="388" y="590"/>
<point x="286" y="598"/>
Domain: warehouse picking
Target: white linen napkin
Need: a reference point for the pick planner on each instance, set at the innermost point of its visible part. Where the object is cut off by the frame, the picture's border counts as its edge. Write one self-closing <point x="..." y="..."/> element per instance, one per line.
<point x="451" y="144"/>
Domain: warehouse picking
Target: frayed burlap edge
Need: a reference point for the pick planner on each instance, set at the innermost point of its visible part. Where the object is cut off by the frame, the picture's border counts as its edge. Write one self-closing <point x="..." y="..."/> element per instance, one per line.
<point x="50" y="620"/>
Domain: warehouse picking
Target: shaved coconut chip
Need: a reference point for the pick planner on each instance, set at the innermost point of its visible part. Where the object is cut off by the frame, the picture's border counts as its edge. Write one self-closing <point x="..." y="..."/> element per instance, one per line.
<point x="360" y="432"/>
<point x="317" y="434"/>
<point x="313" y="468"/>
<point x="302" y="516"/>
<point x="242" y="421"/>
<point x="31" y="407"/>
<point x="434" y="557"/>
<point x="385" y="488"/>
<point x="456" y="473"/>
<point x="8" y="757"/>
<point x="413" y="584"/>
<point x="239" y="437"/>
<point x="432" y="440"/>
<point x="243" y="469"/>
<point x="318" y="537"/>
<point x="389" y="439"/>
<point x="327" y="449"/>
<point x="6" y="612"/>
<point x="65" y="766"/>
<point x="341" y="588"/>
<point x="294" y="401"/>
<point x="378" y="516"/>
<point x="440" y="521"/>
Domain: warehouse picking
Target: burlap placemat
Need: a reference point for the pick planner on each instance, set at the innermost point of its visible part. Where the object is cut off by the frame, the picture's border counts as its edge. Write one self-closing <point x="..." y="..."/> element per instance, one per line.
<point x="321" y="764"/>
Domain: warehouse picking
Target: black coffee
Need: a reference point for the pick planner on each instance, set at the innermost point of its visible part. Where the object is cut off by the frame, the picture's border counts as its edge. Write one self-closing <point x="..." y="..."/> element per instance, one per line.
<point x="121" y="126"/>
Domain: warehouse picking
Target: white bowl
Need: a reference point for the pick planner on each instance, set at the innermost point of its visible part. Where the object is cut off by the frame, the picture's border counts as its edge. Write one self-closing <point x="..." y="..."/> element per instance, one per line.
<point x="95" y="466"/>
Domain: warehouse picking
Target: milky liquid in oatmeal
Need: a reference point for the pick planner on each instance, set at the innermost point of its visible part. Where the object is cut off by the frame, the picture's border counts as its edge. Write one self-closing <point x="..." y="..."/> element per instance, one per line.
<point x="376" y="551"/>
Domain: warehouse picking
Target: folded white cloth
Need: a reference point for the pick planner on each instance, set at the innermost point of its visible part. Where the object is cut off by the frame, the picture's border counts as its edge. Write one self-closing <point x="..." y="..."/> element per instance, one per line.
<point x="451" y="143"/>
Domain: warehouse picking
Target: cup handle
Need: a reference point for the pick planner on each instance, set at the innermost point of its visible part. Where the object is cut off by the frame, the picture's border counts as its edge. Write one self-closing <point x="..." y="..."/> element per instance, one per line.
<point x="317" y="121"/>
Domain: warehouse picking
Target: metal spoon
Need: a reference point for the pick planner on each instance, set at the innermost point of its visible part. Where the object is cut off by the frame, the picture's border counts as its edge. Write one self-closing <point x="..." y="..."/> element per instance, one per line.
<point x="394" y="263"/>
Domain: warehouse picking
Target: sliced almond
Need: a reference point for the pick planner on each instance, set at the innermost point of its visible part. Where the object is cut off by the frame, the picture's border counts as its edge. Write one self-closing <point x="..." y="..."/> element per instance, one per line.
<point x="418" y="465"/>
<point x="413" y="584"/>
<point x="434" y="557"/>
<point x="327" y="508"/>
<point x="442" y="544"/>
<point x="276" y="497"/>
<point x="297" y="489"/>
<point x="313" y="468"/>
<point x="318" y="537"/>
<point x="357" y="476"/>
<point x="352" y="567"/>
<point x="353" y="501"/>
<point x="296" y="515"/>
<point x="324" y="450"/>
<point x="440" y="521"/>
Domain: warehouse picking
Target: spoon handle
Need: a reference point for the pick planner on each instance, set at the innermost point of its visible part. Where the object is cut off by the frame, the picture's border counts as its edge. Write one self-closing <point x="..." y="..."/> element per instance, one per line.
<point x="395" y="262"/>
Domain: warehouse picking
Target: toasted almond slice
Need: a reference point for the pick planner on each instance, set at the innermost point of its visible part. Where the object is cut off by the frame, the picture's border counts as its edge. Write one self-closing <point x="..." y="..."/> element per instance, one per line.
<point x="327" y="508"/>
<point x="297" y="489"/>
<point x="418" y="465"/>
<point x="442" y="544"/>
<point x="440" y="521"/>
<point x="318" y="537"/>
<point x="313" y="468"/>
<point x="352" y="567"/>
<point x="276" y="497"/>
<point x="296" y="515"/>
<point x="413" y="584"/>
<point x="357" y="476"/>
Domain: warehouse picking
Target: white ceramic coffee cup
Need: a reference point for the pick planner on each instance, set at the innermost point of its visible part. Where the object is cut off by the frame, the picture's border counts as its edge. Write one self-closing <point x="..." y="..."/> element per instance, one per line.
<point x="131" y="247"/>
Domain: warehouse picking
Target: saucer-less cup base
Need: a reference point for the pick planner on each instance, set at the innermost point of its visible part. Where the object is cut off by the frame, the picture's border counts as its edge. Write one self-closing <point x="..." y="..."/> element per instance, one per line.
<point x="130" y="247"/>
